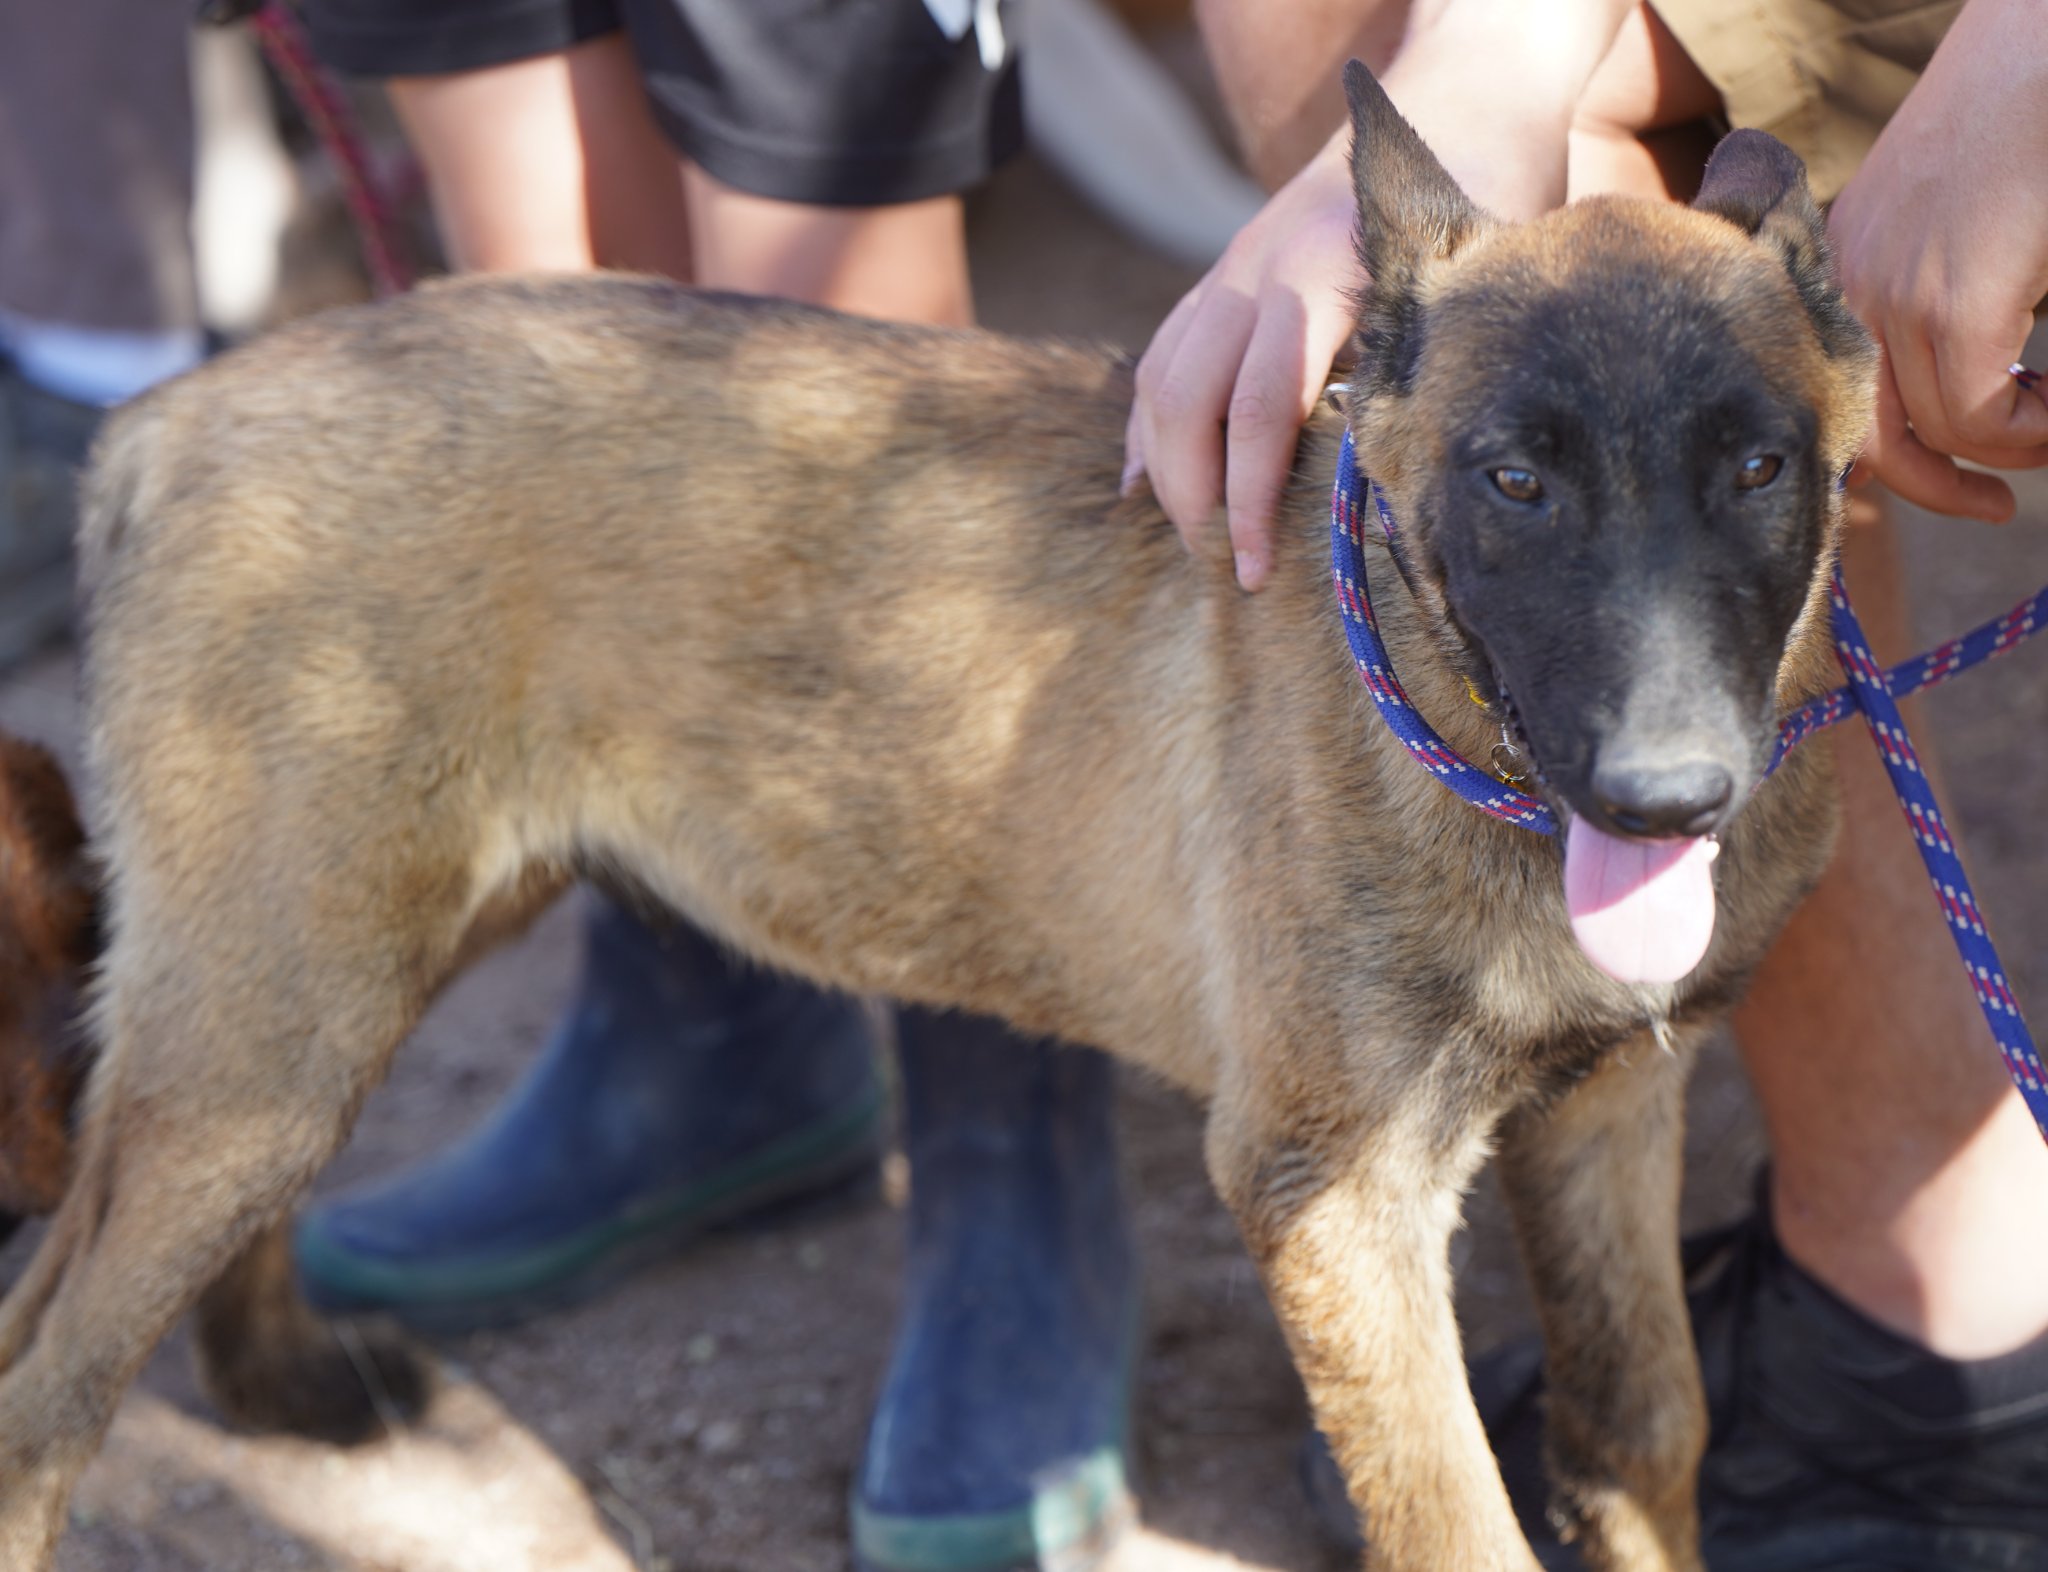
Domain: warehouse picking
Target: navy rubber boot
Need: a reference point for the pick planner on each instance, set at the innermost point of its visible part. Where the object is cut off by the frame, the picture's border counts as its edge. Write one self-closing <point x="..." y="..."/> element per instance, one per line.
<point x="680" y="1092"/>
<point x="1000" y="1435"/>
<point x="43" y="443"/>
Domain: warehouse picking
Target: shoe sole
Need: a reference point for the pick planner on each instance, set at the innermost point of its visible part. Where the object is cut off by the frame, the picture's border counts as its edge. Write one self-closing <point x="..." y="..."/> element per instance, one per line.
<point x="832" y="1160"/>
<point x="1069" y="1525"/>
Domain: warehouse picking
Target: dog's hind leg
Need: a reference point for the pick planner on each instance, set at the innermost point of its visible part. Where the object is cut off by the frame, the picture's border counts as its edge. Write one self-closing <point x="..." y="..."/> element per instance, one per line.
<point x="1593" y="1184"/>
<point x="1349" y="1217"/>
<point x="29" y="1295"/>
<point x="241" y="1028"/>
<point x="271" y="1362"/>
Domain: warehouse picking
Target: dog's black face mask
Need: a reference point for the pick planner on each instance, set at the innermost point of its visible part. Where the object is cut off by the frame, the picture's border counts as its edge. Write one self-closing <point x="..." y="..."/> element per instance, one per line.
<point x="1617" y="435"/>
<point x="1627" y="522"/>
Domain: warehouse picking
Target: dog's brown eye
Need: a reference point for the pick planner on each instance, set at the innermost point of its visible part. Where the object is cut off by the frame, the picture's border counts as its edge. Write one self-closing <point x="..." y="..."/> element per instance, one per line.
<point x="1517" y="485"/>
<point x="1759" y="470"/>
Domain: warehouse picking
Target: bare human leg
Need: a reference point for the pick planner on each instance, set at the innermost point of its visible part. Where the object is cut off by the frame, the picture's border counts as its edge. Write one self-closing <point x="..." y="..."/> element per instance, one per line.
<point x="903" y="263"/>
<point x="1907" y="1172"/>
<point x="548" y="164"/>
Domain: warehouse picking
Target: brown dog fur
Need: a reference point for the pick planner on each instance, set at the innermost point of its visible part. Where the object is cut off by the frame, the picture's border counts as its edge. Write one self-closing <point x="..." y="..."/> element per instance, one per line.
<point x="837" y="638"/>
<point x="47" y="938"/>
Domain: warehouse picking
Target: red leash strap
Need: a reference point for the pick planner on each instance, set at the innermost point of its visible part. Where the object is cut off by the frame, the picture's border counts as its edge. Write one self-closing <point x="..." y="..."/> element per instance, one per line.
<point x="283" y="39"/>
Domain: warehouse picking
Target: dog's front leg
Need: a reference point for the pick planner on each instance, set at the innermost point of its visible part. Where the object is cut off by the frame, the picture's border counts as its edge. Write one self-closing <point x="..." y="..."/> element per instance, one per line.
<point x="1349" y="1219"/>
<point x="1593" y="1184"/>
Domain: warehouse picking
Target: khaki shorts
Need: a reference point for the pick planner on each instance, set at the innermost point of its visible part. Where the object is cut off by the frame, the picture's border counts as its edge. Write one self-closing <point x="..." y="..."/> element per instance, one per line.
<point x="1823" y="76"/>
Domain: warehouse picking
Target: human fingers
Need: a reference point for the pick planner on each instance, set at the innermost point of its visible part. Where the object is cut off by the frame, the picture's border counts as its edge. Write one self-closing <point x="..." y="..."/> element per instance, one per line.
<point x="1918" y="378"/>
<point x="1919" y="473"/>
<point x="1958" y="392"/>
<point x="1285" y="365"/>
<point x="1182" y="403"/>
<point x="1151" y="365"/>
<point x="1982" y="405"/>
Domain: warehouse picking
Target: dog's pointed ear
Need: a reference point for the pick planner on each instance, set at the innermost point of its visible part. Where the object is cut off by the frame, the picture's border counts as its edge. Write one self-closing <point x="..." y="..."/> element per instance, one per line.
<point x="1410" y="211"/>
<point x="1759" y="185"/>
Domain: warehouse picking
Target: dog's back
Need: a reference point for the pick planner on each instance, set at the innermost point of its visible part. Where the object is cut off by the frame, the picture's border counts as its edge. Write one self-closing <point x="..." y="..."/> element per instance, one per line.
<point x="834" y="634"/>
<point x="899" y="544"/>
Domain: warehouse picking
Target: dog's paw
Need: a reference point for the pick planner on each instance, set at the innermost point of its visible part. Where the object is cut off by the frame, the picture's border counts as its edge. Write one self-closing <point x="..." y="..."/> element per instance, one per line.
<point x="269" y="1362"/>
<point x="341" y="1381"/>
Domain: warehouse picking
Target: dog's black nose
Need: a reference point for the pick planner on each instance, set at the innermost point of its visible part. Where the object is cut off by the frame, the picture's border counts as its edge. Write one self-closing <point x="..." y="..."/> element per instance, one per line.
<point x="1677" y="799"/>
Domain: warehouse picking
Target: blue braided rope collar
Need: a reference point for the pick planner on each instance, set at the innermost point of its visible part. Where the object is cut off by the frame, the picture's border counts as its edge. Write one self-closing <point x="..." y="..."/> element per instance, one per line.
<point x="1871" y="688"/>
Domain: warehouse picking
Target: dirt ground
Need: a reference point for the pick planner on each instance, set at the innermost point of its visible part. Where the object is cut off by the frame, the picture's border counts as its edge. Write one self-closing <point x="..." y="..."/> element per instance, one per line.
<point x="706" y="1415"/>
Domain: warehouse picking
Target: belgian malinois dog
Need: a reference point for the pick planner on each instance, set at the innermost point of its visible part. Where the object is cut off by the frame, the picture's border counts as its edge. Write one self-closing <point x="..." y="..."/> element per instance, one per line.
<point x="838" y="638"/>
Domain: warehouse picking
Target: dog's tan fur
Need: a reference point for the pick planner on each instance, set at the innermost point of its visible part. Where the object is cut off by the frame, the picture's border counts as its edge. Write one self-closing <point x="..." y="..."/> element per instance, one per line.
<point x="836" y="638"/>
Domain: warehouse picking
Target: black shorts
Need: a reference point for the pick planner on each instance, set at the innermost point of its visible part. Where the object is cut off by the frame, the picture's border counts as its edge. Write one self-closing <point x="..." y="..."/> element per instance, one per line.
<point x="847" y="102"/>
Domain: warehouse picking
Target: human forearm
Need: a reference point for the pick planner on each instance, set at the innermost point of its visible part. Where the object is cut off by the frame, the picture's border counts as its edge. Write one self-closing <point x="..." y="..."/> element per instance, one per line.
<point x="1278" y="68"/>
<point x="1951" y="294"/>
<point x="1492" y="83"/>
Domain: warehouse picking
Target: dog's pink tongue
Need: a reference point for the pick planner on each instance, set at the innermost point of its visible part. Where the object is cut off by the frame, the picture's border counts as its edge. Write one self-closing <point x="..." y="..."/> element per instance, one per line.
<point x="1643" y="911"/>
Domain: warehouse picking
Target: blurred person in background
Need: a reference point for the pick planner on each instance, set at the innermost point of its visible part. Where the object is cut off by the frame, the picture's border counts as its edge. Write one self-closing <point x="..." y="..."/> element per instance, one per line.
<point x="98" y="291"/>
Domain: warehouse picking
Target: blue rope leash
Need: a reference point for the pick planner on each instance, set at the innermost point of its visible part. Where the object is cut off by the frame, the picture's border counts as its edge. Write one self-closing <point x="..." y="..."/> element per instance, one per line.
<point x="1871" y="688"/>
<point x="1376" y="670"/>
<point x="1878" y="699"/>
<point x="1999" y="636"/>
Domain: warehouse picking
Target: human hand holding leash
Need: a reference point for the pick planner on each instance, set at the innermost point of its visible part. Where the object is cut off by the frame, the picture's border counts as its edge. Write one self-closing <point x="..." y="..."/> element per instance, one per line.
<point x="1942" y="241"/>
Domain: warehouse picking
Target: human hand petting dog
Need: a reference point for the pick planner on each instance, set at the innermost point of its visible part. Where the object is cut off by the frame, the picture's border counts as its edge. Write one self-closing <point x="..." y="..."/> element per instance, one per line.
<point x="1942" y="242"/>
<point x="1238" y="365"/>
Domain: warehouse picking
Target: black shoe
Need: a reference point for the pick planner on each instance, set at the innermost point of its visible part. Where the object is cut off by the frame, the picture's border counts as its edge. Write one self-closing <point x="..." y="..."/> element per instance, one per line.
<point x="1835" y="1445"/>
<point x="43" y="443"/>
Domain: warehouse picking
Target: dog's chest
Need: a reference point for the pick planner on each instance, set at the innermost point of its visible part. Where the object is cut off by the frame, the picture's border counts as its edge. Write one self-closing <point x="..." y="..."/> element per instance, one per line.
<point x="1486" y="971"/>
